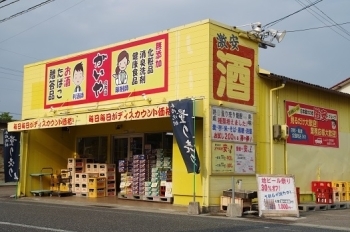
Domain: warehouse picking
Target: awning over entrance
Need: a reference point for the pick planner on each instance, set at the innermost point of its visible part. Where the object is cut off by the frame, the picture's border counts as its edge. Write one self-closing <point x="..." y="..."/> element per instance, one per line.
<point x="118" y="115"/>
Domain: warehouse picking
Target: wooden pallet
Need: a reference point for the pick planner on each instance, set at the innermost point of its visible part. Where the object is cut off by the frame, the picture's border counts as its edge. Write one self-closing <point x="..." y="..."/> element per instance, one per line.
<point x="129" y="196"/>
<point x="158" y="199"/>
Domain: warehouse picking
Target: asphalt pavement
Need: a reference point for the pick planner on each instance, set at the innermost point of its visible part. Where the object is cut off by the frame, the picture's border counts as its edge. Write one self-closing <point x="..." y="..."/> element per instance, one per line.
<point x="53" y="212"/>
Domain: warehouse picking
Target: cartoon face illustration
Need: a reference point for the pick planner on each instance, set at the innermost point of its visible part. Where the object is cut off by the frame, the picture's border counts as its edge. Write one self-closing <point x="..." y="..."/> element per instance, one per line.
<point x="334" y="124"/>
<point x="120" y="75"/>
<point x="78" y="74"/>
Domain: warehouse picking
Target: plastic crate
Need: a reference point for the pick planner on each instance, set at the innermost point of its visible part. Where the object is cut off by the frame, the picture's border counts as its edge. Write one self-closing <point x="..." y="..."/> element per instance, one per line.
<point x="320" y="185"/>
<point x="324" y="198"/>
<point x="97" y="182"/>
<point x="343" y="196"/>
<point x="97" y="192"/>
<point x="336" y="197"/>
<point x="347" y="186"/>
<point x="339" y="186"/>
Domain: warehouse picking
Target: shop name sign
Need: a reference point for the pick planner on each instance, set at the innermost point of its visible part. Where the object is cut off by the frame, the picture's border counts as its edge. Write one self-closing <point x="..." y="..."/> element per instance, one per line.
<point x="128" y="114"/>
<point x="42" y="123"/>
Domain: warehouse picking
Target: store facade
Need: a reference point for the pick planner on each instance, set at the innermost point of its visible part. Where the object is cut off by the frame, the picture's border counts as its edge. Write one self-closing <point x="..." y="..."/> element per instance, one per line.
<point x="112" y="103"/>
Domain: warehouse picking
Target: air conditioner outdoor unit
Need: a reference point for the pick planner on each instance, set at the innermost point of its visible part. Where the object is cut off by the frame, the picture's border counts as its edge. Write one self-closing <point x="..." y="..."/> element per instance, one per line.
<point x="277" y="132"/>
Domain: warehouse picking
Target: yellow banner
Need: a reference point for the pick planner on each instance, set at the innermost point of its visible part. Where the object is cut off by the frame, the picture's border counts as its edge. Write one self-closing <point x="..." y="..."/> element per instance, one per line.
<point x="66" y="82"/>
<point x="129" y="114"/>
<point x="138" y="68"/>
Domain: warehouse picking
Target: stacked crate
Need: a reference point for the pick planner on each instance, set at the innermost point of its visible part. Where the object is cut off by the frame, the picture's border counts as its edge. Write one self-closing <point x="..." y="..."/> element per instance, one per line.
<point x="108" y="171"/>
<point x="339" y="190"/>
<point x="71" y="169"/>
<point x="81" y="184"/>
<point x="323" y="191"/>
<point x="97" y="187"/>
<point x="165" y="182"/>
<point x="66" y="184"/>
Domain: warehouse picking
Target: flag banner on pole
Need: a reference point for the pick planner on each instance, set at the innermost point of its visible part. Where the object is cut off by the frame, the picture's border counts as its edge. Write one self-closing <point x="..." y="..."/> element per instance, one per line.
<point x="181" y="113"/>
<point x="11" y="156"/>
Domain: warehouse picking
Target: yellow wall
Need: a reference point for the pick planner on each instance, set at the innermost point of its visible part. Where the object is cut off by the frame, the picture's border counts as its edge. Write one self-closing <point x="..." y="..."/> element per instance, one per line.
<point x="217" y="183"/>
<point x="183" y="182"/>
<point x="309" y="163"/>
<point x="46" y="148"/>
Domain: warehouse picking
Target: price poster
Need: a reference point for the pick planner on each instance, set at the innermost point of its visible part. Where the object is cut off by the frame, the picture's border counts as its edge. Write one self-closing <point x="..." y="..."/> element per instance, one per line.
<point x="231" y="125"/>
<point x="277" y="195"/>
<point x="222" y="157"/>
<point x="245" y="158"/>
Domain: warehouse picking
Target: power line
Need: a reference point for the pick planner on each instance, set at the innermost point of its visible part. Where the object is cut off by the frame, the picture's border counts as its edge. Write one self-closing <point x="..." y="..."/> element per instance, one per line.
<point x="315" y="28"/>
<point x="332" y="21"/>
<point x="278" y="20"/>
<point x="42" y="21"/>
<point x="33" y="27"/>
<point x="8" y="4"/>
<point x="9" y="69"/>
<point x="18" y="53"/>
<point x="303" y="4"/>
<point x="11" y="74"/>
<point x="10" y="113"/>
<point x="26" y="11"/>
<point x="2" y="1"/>
<point x="10" y="79"/>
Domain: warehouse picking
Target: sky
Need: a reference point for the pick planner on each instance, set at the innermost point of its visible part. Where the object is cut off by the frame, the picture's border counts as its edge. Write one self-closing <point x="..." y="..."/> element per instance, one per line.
<point x="62" y="27"/>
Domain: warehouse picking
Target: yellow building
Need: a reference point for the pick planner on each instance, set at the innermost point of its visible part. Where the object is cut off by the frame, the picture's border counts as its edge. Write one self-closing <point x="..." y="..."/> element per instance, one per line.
<point x="111" y="103"/>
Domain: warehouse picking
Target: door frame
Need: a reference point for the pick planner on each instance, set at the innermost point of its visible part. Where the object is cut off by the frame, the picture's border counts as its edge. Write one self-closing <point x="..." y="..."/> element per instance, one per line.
<point x="128" y="136"/>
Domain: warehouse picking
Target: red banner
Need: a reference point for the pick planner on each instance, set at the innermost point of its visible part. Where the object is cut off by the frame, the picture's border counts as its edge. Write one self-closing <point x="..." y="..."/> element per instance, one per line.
<point x="125" y="70"/>
<point x="233" y="70"/>
<point x="311" y="125"/>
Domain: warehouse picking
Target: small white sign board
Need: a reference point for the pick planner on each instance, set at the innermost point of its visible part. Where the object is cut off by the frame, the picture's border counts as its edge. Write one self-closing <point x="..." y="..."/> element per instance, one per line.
<point x="277" y="196"/>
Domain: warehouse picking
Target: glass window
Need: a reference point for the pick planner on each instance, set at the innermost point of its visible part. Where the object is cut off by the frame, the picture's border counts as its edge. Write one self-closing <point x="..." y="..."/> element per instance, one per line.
<point x="93" y="148"/>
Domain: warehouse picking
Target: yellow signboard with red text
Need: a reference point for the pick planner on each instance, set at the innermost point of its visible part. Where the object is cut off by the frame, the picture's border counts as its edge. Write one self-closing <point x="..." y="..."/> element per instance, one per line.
<point x="116" y="72"/>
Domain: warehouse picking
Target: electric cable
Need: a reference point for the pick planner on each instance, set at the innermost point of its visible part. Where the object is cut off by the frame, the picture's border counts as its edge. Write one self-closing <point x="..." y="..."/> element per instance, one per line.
<point x="26" y="11"/>
<point x="10" y="79"/>
<point x="36" y="26"/>
<point x="9" y="69"/>
<point x="332" y="21"/>
<point x="315" y="28"/>
<point x="9" y="4"/>
<point x="10" y="113"/>
<point x="313" y="14"/>
<point x="2" y="1"/>
<point x="11" y="74"/>
<point x="287" y="16"/>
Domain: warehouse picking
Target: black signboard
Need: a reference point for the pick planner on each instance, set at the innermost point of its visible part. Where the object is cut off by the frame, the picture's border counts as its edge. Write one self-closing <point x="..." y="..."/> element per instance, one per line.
<point x="11" y="156"/>
<point x="181" y="113"/>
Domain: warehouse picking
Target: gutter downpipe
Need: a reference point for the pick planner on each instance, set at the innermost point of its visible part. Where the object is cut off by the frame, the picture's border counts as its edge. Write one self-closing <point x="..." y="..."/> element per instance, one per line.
<point x="271" y="129"/>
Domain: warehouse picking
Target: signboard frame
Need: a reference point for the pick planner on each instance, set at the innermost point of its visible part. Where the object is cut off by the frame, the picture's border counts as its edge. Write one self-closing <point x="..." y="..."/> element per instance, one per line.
<point x="276" y="194"/>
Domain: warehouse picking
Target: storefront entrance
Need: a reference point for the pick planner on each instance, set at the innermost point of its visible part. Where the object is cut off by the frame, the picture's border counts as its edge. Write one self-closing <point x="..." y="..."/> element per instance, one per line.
<point x="124" y="147"/>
